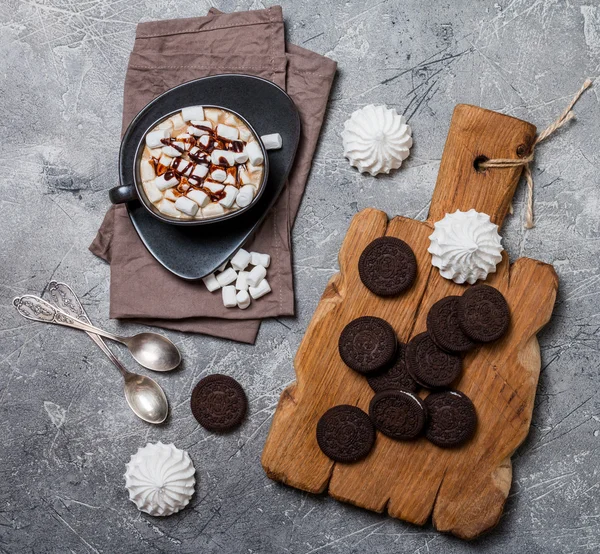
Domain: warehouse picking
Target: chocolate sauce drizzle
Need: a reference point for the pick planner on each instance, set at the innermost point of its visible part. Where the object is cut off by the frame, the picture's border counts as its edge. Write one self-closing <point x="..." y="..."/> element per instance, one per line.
<point x="200" y="156"/>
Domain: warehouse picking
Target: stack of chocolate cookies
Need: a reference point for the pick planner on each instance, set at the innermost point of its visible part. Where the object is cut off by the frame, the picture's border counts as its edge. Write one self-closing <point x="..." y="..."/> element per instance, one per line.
<point x="395" y="371"/>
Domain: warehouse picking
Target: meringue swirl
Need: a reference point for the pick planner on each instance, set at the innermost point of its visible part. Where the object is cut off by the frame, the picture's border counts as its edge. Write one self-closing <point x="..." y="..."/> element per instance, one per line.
<point x="160" y="479"/>
<point x="465" y="246"/>
<point x="376" y="139"/>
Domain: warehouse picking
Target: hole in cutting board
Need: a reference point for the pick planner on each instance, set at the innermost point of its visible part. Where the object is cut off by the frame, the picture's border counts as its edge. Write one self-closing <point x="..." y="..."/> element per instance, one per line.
<point x="479" y="160"/>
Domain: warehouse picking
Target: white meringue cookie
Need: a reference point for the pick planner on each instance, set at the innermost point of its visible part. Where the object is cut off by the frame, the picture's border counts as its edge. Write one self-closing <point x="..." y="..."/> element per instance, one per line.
<point x="465" y="246"/>
<point x="160" y="479"/>
<point x="376" y="139"/>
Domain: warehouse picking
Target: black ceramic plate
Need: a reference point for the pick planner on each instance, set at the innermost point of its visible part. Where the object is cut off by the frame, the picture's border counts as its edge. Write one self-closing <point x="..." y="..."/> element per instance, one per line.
<point x="194" y="252"/>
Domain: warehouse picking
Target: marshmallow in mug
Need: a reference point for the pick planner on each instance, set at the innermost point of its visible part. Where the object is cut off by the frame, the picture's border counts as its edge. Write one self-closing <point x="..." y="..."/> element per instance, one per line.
<point x="166" y="181"/>
<point x="245" y="196"/>
<point x="154" y="139"/>
<point x="230" y="195"/>
<point x="207" y="156"/>
<point x="192" y="113"/>
<point x="186" y="206"/>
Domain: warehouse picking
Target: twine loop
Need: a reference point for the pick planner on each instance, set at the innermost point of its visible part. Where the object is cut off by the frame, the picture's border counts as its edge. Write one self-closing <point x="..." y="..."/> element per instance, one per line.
<point x="566" y="116"/>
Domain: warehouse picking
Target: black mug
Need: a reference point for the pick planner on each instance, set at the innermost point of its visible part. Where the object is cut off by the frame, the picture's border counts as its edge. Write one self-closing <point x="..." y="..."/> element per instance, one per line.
<point x="129" y="192"/>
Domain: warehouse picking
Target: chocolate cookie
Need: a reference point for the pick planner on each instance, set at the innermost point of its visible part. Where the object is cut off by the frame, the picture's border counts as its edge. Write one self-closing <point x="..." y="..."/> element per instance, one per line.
<point x="219" y="403"/>
<point x="398" y="414"/>
<point x="368" y="344"/>
<point x="452" y="418"/>
<point x="443" y="327"/>
<point x="483" y="313"/>
<point x="387" y="266"/>
<point x="345" y="433"/>
<point x="429" y="365"/>
<point x="395" y="377"/>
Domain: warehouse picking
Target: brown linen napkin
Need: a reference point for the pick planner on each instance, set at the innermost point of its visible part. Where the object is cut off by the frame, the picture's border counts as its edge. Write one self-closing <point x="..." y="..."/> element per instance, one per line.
<point x="166" y="54"/>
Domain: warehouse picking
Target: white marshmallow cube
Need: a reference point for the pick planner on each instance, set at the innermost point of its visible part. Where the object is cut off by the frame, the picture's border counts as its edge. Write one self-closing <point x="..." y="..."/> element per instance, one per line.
<point x="165" y="160"/>
<point x="262" y="289"/>
<point x="187" y="206"/>
<point x="166" y="124"/>
<point x="222" y="266"/>
<point x="202" y="123"/>
<point x="260" y="259"/>
<point x="213" y="209"/>
<point x="243" y="299"/>
<point x="177" y="120"/>
<point x="184" y="137"/>
<point x="227" y="132"/>
<point x="219" y="175"/>
<point x="152" y="192"/>
<point x="229" y="119"/>
<point x="230" y="195"/>
<point x="172" y="151"/>
<point x="192" y="112"/>
<point x="211" y="282"/>
<point x="227" y="277"/>
<point x="229" y="296"/>
<point x="229" y="180"/>
<point x="164" y="183"/>
<point x="183" y="166"/>
<point x="200" y="170"/>
<point x="213" y="187"/>
<point x="166" y="207"/>
<point x="195" y="151"/>
<point x="255" y="154"/>
<point x="199" y="196"/>
<point x="147" y="172"/>
<point x="240" y="157"/>
<point x="195" y="130"/>
<point x="272" y="141"/>
<point x="241" y="283"/>
<point x="257" y="274"/>
<point x="241" y="260"/>
<point x="204" y="140"/>
<point x="245" y="196"/>
<point x="245" y="134"/>
<point x="213" y="114"/>
<point x="246" y="177"/>
<point x="170" y="195"/>
<point x="222" y="157"/>
<point x="154" y="138"/>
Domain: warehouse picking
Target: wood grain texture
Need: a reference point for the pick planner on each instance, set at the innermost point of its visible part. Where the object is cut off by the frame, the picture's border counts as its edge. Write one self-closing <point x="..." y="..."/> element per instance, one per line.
<point x="463" y="490"/>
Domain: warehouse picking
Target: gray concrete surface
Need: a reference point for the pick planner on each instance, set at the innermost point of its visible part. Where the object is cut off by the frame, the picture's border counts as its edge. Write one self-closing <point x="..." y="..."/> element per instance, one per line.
<point x="65" y="431"/>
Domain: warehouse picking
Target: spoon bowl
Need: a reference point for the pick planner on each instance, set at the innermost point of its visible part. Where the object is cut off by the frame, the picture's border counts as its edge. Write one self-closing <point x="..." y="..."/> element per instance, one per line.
<point x="145" y="398"/>
<point x="153" y="351"/>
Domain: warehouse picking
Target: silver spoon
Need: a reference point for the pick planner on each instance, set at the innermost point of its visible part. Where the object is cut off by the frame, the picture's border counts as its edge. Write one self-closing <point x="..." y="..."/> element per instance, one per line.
<point x="150" y="350"/>
<point x="144" y="395"/>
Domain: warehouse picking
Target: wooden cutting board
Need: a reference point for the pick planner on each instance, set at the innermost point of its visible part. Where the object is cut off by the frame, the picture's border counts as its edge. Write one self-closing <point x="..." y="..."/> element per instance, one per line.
<point x="464" y="489"/>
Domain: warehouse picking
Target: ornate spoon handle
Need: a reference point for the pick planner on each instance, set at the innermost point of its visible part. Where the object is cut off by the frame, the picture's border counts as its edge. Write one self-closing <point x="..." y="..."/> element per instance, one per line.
<point x="64" y="297"/>
<point x="36" y="309"/>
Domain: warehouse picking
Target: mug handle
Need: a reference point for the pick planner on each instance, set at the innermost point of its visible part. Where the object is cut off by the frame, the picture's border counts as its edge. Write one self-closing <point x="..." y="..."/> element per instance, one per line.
<point x="122" y="194"/>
